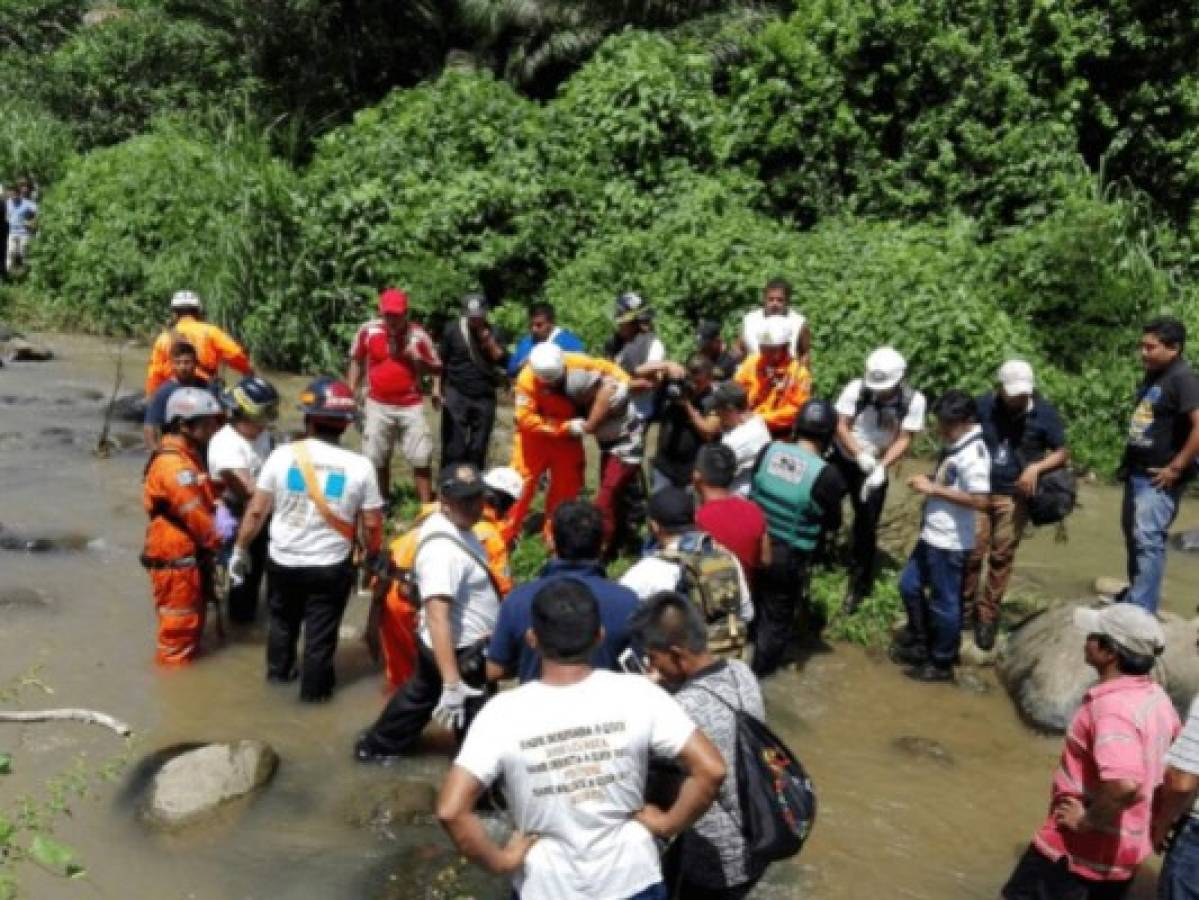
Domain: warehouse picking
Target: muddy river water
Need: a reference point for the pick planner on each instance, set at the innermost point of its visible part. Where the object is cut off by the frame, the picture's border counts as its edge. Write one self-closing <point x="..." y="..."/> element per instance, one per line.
<point x="926" y="792"/>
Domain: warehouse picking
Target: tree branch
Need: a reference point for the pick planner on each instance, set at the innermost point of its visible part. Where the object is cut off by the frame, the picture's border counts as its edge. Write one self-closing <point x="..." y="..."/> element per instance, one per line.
<point x="68" y="715"/>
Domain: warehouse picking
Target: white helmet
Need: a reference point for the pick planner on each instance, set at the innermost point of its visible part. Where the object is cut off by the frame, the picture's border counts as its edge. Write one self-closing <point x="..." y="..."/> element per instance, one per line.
<point x="547" y="362"/>
<point x="189" y="403"/>
<point x="885" y="368"/>
<point x="505" y="480"/>
<point x="186" y="300"/>
<point x="776" y="332"/>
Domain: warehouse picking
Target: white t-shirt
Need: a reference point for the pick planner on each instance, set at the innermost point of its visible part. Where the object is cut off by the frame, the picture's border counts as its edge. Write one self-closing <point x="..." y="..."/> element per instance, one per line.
<point x="966" y="467"/>
<point x="878" y="425"/>
<point x="651" y="574"/>
<point x="746" y="441"/>
<point x="443" y="569"/>
<point x="574" y="761"/>
<point x="229" y="450"/>
<point x="300" y="536"/>
<point x="755" y="321"/>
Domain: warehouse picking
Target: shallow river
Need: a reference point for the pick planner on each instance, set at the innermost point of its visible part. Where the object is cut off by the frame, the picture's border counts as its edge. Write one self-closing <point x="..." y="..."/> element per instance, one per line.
<point x="893" y="822"/>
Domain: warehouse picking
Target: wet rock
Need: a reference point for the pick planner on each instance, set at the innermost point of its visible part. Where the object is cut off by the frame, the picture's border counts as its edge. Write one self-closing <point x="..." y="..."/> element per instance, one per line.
<point x="1186" y="541"/>
<point x="923" y="748"/>
<point x="402" y="801"/>
<point x="972" y="681"/>
<point x="130" y="408"/>
<point x="22" y="350"/>
<point x="972" y="655"/>
<point x="189" y="787"/>
<point x="23" y="598"/>
<point x="1043" y="670"/>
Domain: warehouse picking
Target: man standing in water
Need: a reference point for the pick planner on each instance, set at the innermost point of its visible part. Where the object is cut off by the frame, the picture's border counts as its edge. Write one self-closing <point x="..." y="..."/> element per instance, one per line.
<point x="1163" y="441"/>
<point x="1097" y="832"/>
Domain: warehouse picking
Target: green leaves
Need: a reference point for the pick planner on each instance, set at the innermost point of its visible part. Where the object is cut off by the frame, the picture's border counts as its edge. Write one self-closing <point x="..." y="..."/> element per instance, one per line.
<point x="55" y="857"/>
<point x="5" y="763"/>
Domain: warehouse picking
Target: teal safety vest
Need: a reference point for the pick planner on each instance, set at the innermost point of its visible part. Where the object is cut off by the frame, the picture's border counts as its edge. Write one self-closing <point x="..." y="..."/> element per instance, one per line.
<point x="782" y="486"/>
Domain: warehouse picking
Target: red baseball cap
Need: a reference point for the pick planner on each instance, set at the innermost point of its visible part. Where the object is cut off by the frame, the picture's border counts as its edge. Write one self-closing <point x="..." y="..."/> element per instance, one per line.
<point x="393" y="300"/>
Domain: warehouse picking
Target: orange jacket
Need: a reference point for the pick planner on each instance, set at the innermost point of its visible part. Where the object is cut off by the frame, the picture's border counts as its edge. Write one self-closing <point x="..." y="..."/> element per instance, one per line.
<point x="775" y="394"/>
<point x="213" y="347"/>
<point x="542" y="409"/>
<point x="181" y="502"/>
<point x="487" y="530"/>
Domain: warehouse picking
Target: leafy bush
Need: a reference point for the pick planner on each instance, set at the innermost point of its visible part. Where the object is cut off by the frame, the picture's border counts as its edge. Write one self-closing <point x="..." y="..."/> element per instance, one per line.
<point x="32" y="142"/>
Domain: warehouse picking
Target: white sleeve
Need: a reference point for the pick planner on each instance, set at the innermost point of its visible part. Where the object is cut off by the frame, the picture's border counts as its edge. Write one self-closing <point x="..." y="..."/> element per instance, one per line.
<point x="657" y="352"/>
<point x="670" y="726"/>
<point x="917" y="410"/>
<point x="636" y="581"/>
<point x="438" y="569"/>
<point x="481" y="752"/>
<point x="223" y="456"/>
<point x="749" y="328"/>
<point x="847" y="401"/>
<point x="371" y="497"/>
<point x="274" y="471"/>
<point x="976" y="474"/>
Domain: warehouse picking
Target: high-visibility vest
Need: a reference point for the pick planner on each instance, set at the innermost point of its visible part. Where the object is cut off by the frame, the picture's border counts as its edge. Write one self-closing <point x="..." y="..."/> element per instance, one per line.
<point x="782" y="486"/>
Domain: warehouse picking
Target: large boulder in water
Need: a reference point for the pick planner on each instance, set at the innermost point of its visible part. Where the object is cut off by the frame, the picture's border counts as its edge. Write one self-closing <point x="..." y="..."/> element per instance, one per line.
<point x="21" y="350"/>
<point x="1042" y="665"/>
<point x="192" y="785"/>
<point x="130" y="408"/>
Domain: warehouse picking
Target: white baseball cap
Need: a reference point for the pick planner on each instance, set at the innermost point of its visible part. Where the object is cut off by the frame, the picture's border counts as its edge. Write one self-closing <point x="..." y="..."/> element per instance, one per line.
<point x="1016" y="377"/>
<point x="547" y="361"/>
<point x="186" y="300"/>
<point x="506" y="480"/>
<point x="1133" y="628"/>
<point x="885" y="368"/>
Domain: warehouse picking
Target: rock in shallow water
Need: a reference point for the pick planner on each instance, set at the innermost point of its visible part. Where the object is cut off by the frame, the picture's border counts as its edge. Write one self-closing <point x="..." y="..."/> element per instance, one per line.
<point x="194" y="784"/>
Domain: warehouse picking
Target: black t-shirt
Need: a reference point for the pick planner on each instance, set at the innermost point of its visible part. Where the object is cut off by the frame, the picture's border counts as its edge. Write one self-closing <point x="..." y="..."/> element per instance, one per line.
<point x="725" y="366"/>
<point x="1161" y="420"/>
<point x="461" y="372"/>
<point x="678" y="439"/>
<point x="1015" y="440"/>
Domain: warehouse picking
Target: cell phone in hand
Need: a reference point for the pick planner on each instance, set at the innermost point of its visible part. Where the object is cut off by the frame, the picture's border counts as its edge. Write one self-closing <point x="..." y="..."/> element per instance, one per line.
<point x="631" y="662"/>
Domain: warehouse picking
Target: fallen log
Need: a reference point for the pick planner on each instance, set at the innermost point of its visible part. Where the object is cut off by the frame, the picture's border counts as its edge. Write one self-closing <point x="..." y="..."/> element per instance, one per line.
<point x="90" y="716"/>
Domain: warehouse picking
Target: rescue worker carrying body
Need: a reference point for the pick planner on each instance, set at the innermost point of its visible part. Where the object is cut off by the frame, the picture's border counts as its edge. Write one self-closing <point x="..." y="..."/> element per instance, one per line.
<point x="235" y="457"/>
<point x="213" y="345"/>
<point x="391" y="630"/>
<point x="319" y="494"/>
<point x="182" y="537"/>
<point x="776" y="383"/>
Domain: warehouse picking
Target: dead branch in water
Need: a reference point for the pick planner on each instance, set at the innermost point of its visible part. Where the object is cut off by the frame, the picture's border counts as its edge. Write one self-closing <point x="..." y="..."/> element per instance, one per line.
<point x="90" y="716"/>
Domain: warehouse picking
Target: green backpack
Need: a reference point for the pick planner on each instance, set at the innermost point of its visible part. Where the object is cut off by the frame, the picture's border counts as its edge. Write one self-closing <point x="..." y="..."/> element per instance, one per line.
<point x="710" y="577"/>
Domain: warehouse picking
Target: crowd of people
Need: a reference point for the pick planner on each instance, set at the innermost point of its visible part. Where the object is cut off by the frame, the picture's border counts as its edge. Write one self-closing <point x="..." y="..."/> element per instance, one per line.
<point x="738" y="502"/>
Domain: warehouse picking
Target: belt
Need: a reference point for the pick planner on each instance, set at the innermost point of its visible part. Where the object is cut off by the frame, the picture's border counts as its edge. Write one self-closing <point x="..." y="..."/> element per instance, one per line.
<point x="183" y="562"/>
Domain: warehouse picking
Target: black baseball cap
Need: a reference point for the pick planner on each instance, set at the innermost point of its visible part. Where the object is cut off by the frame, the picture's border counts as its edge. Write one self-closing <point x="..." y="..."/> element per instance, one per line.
<point x="461" y="481"/>
<point x="673" y="508"/>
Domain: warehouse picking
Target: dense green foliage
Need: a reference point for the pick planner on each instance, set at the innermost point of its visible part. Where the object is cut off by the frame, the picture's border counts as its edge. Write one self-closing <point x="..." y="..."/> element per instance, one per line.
<point x="966" y="180"/>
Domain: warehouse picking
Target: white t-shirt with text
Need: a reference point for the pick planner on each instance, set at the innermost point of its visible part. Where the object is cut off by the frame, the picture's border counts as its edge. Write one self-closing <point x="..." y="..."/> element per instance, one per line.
<point x="574" y="760"/>
<point x="755" y="321"/>
<point x="878" y="425"/>
<point x="966" y="467"/>
<point x="443" y="569"/>
<point x="746" y="441"/>
<point x="300" y="536"/>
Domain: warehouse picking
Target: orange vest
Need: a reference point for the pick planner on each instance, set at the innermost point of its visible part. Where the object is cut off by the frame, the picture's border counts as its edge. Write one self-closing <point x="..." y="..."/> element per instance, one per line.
<point x="213" y="347"/>
<point x="775" y="394"/>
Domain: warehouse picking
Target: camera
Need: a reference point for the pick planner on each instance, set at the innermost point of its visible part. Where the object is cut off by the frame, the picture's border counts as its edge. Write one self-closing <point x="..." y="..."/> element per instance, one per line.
<point x="675" y="390"/>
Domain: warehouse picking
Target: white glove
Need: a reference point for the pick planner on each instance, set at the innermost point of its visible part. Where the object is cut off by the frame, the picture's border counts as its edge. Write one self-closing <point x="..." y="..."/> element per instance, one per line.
<point x="577" y="427"/>
<point x="239" y="567"/>
<point x="866" y="462"/>
<point x="451" y="708"/>
<point x="873" y="482"/>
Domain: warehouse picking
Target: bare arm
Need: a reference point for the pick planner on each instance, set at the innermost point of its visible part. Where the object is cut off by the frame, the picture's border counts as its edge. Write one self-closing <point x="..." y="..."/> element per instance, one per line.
<point x="1174" y="798"/>
<point x="600" y="406"/>
<point x="150" y="436"/>
<point x="803" y="348"/>
<point x="456" y="812"/>
<point x="354" y="376"/>
<point x="705" y="773"/>
<point x="239" y="481"/>
<point x="1109" y="800"/>
<point x="897" y="450"/>
<point x="256" y="515"/>
<point x="765" y="554"/>
<point x="372" y="530"/>
<point x="442" y="638"/>
<point x="1172" y="474"/>
<point x="845" y="436"/>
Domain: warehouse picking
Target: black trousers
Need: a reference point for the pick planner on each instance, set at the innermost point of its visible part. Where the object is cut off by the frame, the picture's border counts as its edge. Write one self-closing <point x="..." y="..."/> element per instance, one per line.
<point x="243" y="599"/>
<point x="1036" y="877"/>
<point x="866" y="516"/>
<point x="782" y="594"/>
<point x="466" y="425"/>
<point x="410" y="708"/>
<point x="312" y="598"/>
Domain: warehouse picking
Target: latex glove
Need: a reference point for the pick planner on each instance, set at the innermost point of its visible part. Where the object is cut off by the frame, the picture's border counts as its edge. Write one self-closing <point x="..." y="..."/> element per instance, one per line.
<point x="866" y="462"/>
<point x="451" y="708"/>
<point x="577" y="427"/>
<point x="874" y="481"/>
<point x="239" y="567"/>
<point x="226" y="523"/>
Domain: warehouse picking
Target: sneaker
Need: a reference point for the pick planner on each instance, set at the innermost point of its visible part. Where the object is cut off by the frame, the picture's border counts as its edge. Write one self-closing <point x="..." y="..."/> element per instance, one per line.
<point x="930" y="673"/>
<point x="984" y="636"/>
<point x="905" y="638"/>
<point x="908" y="654"/>
<point x="364" y="752"/>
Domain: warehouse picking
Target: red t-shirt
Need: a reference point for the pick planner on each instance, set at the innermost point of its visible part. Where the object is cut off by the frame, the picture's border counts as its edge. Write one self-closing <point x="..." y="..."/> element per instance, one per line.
<point x="391" y="374"/>
<point x="738" y="524"/>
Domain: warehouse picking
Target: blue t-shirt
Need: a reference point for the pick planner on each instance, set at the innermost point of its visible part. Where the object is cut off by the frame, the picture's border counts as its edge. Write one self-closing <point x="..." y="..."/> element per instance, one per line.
<point x="1015" y="440"/>
<point x="567" y="340"/>
<point x="508" y="647"/>
<point x="156" y="408"/>
<point x="18" y="213"/>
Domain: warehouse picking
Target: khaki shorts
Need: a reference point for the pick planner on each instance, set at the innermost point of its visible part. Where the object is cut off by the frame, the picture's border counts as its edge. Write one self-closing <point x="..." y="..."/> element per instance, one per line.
<point x="385" y="424"/>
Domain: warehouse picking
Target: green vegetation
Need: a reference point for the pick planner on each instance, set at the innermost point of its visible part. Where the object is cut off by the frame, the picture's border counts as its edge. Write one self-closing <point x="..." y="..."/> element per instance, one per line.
<point x="967" y="180"/>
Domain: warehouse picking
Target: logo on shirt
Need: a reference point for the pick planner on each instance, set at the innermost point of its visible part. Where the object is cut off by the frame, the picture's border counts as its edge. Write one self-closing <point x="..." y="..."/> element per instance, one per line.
<point x="1142" y="419"/>
<point x="786" y="468"/>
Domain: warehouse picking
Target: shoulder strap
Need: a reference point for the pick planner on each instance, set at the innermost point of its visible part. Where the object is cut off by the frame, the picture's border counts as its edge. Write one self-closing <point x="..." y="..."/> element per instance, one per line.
<point x="304" y="460"/>
<point x="465" y="548"/>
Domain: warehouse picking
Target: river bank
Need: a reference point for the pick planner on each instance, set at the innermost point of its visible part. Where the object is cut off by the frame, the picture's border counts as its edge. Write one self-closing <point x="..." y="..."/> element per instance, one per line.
<point x="926" y="792"/>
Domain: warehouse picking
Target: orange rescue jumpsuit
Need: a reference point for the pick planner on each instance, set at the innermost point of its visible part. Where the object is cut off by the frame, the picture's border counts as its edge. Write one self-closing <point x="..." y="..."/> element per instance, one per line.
<point x="181" y="503"/>
<point x="775" y="393"/>
<point x="398" y="619"/>
<point x="213" y="347"/>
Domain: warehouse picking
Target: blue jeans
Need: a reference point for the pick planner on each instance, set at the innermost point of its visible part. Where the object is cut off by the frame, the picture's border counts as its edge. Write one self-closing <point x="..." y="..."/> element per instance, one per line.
<point x="653" y="892"/>
<point x="931" y="587"/>
<point x="1146" y="518"/>
<point x="1179" y="879"/>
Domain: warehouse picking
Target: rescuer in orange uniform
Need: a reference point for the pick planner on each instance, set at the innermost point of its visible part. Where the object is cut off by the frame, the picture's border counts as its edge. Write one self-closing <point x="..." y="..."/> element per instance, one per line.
<point x="776" y="383"/>
<point x="182" y="536"/>
<point x="213" y="346"/>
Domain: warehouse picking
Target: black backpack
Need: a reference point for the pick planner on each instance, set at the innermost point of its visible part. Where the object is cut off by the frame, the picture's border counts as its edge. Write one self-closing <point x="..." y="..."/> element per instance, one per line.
<point x="1056" y="495"/>
<point x="776" y="796"/>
